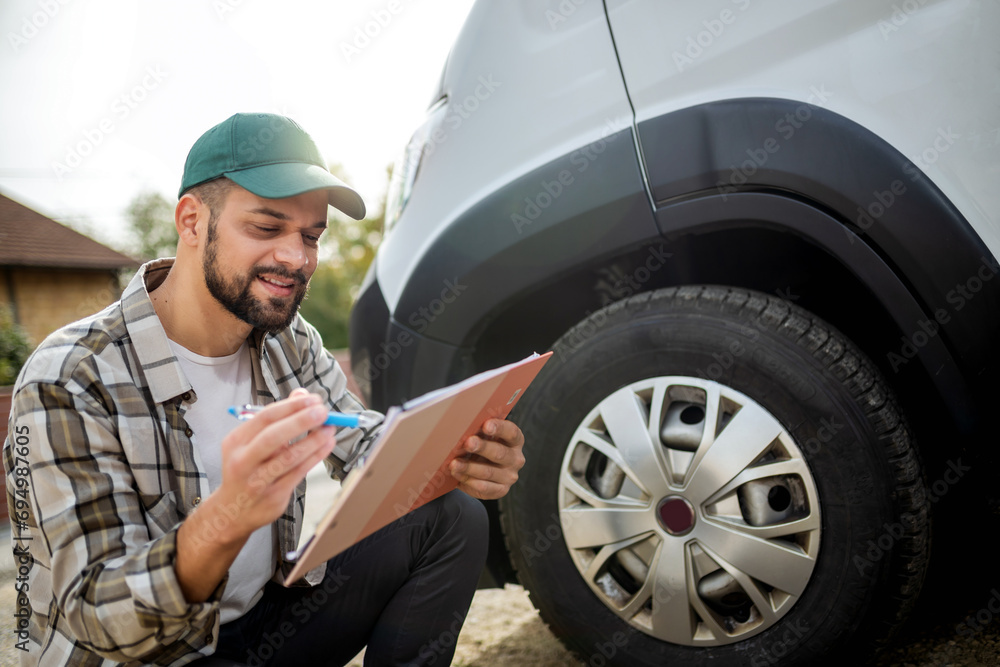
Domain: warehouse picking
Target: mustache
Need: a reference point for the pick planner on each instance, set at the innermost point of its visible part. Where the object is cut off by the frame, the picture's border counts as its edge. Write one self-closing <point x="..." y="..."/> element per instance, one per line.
<point x="298" y="276"/>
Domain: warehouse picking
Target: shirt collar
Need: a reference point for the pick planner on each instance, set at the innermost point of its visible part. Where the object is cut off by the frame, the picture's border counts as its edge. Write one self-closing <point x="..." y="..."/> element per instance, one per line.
<point x="149" y="340"/>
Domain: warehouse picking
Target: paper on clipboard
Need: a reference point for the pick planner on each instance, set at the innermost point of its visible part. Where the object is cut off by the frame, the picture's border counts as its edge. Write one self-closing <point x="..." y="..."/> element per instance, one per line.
<point x="408" y="466"/>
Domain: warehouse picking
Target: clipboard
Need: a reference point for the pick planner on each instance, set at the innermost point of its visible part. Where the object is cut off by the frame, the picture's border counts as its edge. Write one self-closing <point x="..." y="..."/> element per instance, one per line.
<point x="408" y="465"/>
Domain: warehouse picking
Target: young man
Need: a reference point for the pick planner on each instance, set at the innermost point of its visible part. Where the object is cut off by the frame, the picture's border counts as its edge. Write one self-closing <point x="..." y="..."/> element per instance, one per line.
<point x="155" y="529"/>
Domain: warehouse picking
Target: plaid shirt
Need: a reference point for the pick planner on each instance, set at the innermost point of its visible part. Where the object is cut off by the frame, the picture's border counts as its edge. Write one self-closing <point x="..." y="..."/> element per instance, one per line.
<point x="98" y="439"/>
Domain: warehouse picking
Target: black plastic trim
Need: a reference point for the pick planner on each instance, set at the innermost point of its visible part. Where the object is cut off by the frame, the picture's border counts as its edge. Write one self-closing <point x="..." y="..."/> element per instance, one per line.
<point x="809" y="152"/>
<point x="368" y="329"/>
<point x="881" y="199"/>
<point x="583" y="205"/>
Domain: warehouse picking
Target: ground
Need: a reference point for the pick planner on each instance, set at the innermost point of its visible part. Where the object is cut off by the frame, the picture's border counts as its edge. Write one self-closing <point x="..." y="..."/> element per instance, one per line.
<point x="504" y="630"/>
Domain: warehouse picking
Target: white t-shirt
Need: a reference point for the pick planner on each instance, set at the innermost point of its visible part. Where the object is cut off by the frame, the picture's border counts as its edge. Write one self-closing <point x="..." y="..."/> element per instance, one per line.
<point x="221" y="382"/>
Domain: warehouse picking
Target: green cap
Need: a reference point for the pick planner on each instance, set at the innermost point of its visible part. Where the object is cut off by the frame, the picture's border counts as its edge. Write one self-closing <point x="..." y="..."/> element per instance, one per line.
<point x="268" y="155"/>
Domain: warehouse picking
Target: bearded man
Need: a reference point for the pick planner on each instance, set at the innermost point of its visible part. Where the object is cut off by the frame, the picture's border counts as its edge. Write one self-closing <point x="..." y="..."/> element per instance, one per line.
<point x="156" y="531"/>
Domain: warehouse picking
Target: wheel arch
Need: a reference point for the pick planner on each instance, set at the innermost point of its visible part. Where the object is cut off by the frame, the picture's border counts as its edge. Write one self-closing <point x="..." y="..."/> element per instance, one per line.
<point x="775" y="244"/>
<point x="881" y="196"/>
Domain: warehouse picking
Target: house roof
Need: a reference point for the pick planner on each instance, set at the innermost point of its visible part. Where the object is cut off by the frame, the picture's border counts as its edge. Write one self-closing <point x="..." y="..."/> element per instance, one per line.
<point x="28" y="238"/>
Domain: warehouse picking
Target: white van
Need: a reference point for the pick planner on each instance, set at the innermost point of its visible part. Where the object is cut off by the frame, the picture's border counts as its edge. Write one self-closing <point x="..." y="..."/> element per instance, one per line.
<point x="762" y="239"/>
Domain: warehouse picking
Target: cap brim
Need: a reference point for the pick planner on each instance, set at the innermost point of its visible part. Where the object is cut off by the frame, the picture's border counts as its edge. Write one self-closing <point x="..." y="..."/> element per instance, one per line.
<point x="287" y="179"/>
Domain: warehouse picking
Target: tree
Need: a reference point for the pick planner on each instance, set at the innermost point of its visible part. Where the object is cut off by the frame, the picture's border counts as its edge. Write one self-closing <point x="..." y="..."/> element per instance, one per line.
<point x="151" y="221"/>
<point x="14" y="347"/>
<point x="345" y="255"/>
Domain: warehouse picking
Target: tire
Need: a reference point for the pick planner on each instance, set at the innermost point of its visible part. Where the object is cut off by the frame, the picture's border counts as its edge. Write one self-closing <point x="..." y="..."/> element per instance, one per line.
<point x="797" y="533"/>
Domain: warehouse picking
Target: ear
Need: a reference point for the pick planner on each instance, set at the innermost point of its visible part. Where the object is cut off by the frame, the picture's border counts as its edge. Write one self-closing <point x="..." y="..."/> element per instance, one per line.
<point x="189" y="211"/>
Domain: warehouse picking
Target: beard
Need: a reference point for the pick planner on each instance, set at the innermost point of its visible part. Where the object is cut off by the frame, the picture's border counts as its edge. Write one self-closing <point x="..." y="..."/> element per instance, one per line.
<point x="271" y="315"/>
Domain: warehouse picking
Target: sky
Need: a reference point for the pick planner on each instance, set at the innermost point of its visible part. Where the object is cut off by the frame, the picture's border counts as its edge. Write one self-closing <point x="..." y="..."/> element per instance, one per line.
<point x="103" y="98"/>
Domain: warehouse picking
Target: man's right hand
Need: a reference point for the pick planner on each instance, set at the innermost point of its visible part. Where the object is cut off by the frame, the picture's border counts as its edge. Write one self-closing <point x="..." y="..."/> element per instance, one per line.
<point x="260" y="470"/>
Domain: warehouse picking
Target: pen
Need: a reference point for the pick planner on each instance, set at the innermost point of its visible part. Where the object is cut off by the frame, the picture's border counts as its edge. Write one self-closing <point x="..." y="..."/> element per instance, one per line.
<point x="245" y="412"/>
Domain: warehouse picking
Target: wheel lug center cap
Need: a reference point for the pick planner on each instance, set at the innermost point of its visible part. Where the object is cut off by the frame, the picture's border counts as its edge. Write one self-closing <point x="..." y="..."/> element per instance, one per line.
<point x="676" y="515"/>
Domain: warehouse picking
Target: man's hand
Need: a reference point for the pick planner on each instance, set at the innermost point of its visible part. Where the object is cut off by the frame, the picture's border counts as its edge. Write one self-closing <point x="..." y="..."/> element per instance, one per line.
<point x="260" y="469"/>
<point x="494" y="457"/>
<point x="259" y="473"/>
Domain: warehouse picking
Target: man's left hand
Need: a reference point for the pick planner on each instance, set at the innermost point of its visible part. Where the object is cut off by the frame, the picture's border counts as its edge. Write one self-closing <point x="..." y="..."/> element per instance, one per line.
<point x="494" y="457"/>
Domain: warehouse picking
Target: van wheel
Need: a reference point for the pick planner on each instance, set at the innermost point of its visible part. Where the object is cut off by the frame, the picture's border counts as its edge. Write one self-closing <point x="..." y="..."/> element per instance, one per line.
<point x="716" y="477"/>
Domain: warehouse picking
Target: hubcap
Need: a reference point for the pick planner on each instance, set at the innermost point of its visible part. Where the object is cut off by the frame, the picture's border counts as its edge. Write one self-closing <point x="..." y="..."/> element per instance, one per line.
<point x="676" y="515"/>
<point x="689" y="511"/>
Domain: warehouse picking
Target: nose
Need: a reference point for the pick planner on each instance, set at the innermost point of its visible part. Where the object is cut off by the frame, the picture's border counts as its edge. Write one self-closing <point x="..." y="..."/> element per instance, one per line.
<point x="291" y="252"/>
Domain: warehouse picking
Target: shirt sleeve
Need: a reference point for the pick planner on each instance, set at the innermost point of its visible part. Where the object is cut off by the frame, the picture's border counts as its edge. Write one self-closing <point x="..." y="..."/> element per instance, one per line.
<point x="323" y="375"/>
<point x="113" y="586"/>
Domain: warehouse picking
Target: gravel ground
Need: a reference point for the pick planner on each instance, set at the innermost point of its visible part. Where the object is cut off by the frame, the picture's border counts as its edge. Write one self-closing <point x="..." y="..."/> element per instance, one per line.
<point x="952" y="625"/>
<point x="503" y="630"/>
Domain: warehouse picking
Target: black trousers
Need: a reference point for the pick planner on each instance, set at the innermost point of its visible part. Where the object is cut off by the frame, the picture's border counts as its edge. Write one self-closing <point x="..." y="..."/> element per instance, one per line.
<point x="403" y="592"/>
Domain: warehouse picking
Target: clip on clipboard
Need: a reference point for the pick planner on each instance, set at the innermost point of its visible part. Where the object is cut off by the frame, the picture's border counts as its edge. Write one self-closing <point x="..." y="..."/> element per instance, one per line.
<point x="408" y="465"/>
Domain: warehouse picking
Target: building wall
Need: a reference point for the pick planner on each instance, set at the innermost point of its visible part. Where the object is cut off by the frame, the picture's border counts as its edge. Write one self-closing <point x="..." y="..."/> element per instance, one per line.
<point x="46" y="299"/>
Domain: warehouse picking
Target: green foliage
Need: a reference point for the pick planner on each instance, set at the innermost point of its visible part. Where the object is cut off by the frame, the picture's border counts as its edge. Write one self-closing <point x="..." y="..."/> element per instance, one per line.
<point x="327" y="304"/>
<point x="346" y="253"/>
<point x="14" y="347"/>
<point x="151" y="220"/>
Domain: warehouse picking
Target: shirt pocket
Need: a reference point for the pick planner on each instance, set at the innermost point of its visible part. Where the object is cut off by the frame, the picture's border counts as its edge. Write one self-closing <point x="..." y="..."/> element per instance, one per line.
<point x="160" y="512"/>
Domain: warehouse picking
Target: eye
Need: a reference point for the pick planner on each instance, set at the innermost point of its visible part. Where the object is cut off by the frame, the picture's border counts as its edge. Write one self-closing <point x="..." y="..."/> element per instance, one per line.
<point x="311" y="239"/>
<point x="264" y="229"/>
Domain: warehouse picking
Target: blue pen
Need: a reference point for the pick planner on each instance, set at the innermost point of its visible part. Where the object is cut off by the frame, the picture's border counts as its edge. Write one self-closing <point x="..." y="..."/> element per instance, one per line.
<point x="245" y="412"/>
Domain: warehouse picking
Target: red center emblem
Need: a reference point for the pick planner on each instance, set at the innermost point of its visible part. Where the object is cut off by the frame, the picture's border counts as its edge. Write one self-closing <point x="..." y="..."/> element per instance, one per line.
<point x="676" y="515"/>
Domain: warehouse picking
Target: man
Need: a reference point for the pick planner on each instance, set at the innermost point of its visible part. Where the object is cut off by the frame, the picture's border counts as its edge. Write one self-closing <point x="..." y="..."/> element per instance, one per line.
<point x="155" y="531"/>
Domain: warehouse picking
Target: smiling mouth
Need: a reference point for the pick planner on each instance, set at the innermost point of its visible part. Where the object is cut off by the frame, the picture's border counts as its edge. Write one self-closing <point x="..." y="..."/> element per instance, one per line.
<point x="277" y="283"/>
<point x="278" y="287"/>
